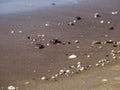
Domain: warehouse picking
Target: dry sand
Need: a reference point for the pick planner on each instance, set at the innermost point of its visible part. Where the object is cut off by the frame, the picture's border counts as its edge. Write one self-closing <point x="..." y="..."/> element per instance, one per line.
<point x="20" y="62"/>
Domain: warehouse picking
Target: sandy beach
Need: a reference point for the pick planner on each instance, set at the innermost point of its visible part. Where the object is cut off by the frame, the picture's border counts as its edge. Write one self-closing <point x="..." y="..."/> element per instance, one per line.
<point x="94" y="41"/>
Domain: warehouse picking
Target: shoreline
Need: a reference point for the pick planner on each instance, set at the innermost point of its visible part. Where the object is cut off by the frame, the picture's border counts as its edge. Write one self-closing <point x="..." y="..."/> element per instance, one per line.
<point x="21" y="61"/>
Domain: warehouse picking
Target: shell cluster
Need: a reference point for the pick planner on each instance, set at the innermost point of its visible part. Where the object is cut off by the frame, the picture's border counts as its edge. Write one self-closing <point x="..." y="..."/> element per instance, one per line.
<point x="114" y="43"/>
<point x="73" y="69"/>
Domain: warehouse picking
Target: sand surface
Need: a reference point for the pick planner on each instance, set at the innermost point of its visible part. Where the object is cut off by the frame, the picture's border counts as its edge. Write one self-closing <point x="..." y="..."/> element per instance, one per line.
<point x="22" y="65"/>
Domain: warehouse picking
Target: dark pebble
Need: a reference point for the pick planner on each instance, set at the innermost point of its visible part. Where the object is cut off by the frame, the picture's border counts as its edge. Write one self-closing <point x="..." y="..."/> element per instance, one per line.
<point x="40" y="46"/>
<point x="111" y="28"/>
<point x="69" y="42"/>
<point x="28" y="37"/>
<point x="53" y="4"/>
<point x="78" y="18"/>
<point x="55" y="41"/>
<point x="114" y="45"/>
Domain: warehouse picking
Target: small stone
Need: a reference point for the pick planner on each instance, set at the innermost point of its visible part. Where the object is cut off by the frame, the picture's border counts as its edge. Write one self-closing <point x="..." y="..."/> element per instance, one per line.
<point x="114" y="57"/>
<point x="78" y="18"/>
<point x="28" y="37"/>
<point x="40" y="46"/>
<point x="115" y="45"/>
<point x="55" y="41"/>
<point x="111" y="28"/>
<point x="53" y="4"/>
<point x="72" y="56"/>
<point x="69" y="42"/>
<point x="11" y="87"/>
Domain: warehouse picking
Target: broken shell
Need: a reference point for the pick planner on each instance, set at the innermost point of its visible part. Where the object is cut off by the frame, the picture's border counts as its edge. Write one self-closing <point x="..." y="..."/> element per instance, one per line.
<point x="82" y="68"/>
<point x="78" y="63"/>
<point x="76" y="41"/>
<point x="97" y="64"/>
<point x="70" y="24"/>
<point x="104" y="80"/>
<point x="96" y="15"/>
<point x="114" y="13"/>
<point x="114" y="57"/>
<point x="72" y="56"/>
<point x="11" y="87"/>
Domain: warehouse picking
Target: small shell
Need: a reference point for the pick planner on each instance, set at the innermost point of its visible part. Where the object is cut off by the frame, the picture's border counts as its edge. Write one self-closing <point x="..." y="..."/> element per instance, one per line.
<point x="104" y="80"/>
<point x="102" y="21"/>
<point x="72" y="56"/>
<point x="43" y="78"/>
<point x="12" y="32"/>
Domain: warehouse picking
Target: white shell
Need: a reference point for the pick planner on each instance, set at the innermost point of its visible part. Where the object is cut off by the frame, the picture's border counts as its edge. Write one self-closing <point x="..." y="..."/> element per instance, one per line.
<point x="11" y="87"/>
<point x="72" y="56"/>
<point x="12" y="32"/>
<point x="43" y="78"/>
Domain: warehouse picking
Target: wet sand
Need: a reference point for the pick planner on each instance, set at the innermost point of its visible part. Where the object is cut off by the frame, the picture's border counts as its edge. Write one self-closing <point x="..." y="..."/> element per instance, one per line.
<point x="21" y="62"/>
